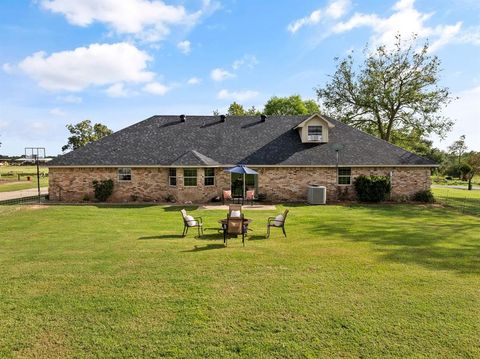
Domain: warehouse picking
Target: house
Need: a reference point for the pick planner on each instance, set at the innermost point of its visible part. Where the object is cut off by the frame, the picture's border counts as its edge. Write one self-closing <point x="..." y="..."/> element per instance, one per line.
<point x="185" y="158"/>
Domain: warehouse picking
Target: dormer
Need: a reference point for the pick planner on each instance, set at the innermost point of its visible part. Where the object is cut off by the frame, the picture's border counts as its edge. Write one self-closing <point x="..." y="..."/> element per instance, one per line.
<point x="314" y="129"/>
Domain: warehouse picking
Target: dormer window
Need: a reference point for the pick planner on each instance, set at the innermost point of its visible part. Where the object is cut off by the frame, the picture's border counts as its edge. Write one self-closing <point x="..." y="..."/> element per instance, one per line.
<point x="315" y="133"/>
<point x="314" y="129"/>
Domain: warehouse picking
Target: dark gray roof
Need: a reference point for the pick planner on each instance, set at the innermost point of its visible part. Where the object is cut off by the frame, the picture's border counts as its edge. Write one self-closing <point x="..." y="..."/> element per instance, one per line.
<point x="207" y="141"/>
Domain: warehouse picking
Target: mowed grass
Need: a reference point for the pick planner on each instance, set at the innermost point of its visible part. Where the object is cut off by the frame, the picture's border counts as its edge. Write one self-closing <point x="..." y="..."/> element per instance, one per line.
<point x="349" y="281"/>
<point x="9" y="178"/>
<point x="461" y="199"/>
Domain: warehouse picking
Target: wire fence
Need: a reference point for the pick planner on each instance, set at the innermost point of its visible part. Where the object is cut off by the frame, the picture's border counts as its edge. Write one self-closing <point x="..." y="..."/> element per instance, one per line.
<point x="25" y="200"/>
<point x="467" y="202"/>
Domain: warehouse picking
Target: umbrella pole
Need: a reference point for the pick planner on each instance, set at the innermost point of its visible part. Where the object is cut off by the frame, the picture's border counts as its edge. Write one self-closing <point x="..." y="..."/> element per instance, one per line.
<point x="244" y="186"/>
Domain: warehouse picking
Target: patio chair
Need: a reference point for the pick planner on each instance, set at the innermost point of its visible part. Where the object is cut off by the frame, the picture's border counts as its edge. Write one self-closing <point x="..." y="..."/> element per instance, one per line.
<point x="226" y="196"/>
<point x="234" y="226"/>
<point x="250" y="196"/>
<point x="234" y="210"/>
<point x="189" y="221"/>
<point x="277" y="222"/>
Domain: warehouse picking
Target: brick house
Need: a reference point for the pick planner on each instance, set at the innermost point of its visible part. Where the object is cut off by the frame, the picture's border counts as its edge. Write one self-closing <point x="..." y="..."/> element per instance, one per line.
<point x="185" y="158"/>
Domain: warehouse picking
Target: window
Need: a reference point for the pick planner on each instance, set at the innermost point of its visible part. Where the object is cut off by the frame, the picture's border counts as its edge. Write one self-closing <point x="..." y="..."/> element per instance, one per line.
<point x="124" y="174"/>
<point x="314" y="133"/>
<point x="190" y="177"/>
<point x="209" y="177"/>
<point x="344" y="175"/>
<point x="172" y="176"/>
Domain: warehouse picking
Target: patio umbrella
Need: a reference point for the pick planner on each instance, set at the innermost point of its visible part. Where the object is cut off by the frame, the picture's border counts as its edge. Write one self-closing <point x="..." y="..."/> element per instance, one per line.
<point x="242" y="169"/>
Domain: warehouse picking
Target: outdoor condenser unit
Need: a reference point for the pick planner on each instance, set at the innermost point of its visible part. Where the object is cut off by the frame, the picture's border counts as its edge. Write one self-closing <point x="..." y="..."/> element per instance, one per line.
<point x="317" y="194"/>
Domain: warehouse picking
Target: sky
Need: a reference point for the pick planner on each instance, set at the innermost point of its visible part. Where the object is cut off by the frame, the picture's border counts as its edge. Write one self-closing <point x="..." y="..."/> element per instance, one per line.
<point x="119" y="62"/>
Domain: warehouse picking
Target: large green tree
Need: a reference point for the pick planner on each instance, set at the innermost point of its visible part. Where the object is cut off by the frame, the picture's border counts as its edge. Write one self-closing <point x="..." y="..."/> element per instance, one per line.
<point x="83" y="133"/>
<point x="394" y="90"/>
<point x="292" y="105"/>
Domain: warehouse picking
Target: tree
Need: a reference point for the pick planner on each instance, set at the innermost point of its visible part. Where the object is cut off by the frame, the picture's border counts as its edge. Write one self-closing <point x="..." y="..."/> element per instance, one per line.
<point x="458" y="148"/>
<point x="393" y="90"/>
<point x="83" y="133"/>
<point x="473" y="159"/>
<point x="236" y="109"/>
<point x="293" y="105"/>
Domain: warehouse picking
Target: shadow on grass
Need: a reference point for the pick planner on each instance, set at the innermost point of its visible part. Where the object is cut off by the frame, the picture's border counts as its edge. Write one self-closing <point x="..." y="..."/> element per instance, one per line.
<point x="163" y="236"/>
<point x="205" y="248"/>
<point x="256" y="237"/>
<point x="123" y="205"/>
<point x="178" y="207"/>
<point x="421" y="236"/>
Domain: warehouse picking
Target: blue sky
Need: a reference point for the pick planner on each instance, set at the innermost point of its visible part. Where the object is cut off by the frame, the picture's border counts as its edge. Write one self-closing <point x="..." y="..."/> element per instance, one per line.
<point x="119" y="62"/>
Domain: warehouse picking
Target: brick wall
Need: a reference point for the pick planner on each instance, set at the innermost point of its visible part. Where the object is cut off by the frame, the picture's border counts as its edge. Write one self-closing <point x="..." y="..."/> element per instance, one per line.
<point x="147" y="184"/>
<point x="279" y="184"/>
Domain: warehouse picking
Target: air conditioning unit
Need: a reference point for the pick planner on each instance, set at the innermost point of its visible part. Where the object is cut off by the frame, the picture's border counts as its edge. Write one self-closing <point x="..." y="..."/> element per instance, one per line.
<point x="316" y="138"/>
<point x="317" y="194"/>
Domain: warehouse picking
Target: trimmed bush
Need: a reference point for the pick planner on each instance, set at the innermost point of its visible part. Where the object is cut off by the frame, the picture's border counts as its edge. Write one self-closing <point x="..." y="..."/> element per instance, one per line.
<point x="103" y="189"/>
<point x="424" y="196"/>
<point x="372" y="188"/>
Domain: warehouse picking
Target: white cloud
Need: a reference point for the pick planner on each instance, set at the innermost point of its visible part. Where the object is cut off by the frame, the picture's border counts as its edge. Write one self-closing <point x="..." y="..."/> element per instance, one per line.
<point x="334" y="10"/>
<point x="184" y="47"/>
<point x="70" y="99"/>
<point x="219" y="74"/>
<point x="97" y="64"/>
<point x="465" y="112"/>
<point x="8" y="68"/>
<point x="406" y="20"/>
<point x="239" y="96"/>
<point x="57" y="112"/>
<point x="3" y="124"/>
<point x="156" y="88"/>
<point x="249" y="61"/>
<point x="147" y="20"/>
<point x="117" y="90"/>
<point x="194" y="81"/>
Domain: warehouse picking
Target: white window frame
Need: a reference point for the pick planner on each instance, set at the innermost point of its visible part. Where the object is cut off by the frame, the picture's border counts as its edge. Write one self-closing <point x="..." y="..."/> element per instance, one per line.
<point x="317" y="137"/>
<point x="185" y="177"/>
<point x="170" y="177"/>
<point x="121" y="174"/>
<point x="344" y="176"/>
<point x="205" y="177"/>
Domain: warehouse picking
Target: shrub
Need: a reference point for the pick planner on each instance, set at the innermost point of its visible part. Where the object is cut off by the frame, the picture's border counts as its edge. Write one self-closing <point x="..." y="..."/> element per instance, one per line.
<point x="424" y="196"/>
<point x="262" y="197"/>
<point x="372" y="188"/>
<point x="103" y="189"/>
<point x="170" y="198"/>
<point x="86" y="198"/>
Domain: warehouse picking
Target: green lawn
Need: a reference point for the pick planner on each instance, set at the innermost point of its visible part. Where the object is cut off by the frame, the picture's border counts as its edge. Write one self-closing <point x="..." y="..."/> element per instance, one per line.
<point x="9" y="178"/>
<point x="349" y="281"/>
<point x="461" y="199"/>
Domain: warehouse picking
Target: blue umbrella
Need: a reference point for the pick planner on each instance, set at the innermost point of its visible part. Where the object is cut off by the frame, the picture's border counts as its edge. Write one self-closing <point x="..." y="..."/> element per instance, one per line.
<point x="242" y="169"/>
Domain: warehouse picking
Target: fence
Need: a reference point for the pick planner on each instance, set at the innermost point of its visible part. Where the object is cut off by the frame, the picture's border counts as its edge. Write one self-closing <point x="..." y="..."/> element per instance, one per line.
<point x="465" y="201"/>
<point x="25" y="200"/>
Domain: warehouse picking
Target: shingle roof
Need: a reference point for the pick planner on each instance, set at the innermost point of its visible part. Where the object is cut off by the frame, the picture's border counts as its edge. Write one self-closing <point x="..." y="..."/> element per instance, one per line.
<point x="207" y="141"/>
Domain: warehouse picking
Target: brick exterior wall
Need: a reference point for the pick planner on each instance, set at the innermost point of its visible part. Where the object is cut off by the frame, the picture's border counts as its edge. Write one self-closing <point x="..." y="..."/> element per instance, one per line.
<point x="279" y="184"/>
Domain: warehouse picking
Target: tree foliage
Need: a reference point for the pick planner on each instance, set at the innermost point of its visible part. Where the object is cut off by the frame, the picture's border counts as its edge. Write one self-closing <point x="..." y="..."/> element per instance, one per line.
<point x="473" y="160"/>
<point x="458" y="148"/>
<point x="292" y="105"/>
<point x="394" y="90"/>
<point x="83" y="133"/>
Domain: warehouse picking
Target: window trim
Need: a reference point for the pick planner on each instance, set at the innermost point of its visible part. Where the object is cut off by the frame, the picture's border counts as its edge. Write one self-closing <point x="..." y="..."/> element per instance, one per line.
<point x="170" y="177"/>
<point x="124" y="174"/>
<point x="310" y="136"/>
<point x="344" y="176"/>
<point x="205" y="177"/>
<point x="196" y="177"/>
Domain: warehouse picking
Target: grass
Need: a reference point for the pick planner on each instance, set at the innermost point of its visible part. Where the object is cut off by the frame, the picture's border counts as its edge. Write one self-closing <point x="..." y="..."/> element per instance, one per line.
<point x="461" y="199"/>
<point x="349" y="281"/>
<point x="9" y="178"/>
